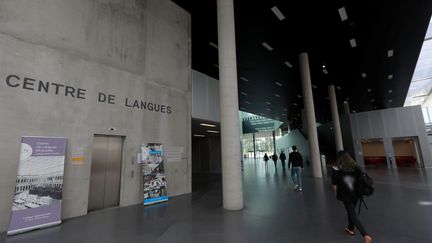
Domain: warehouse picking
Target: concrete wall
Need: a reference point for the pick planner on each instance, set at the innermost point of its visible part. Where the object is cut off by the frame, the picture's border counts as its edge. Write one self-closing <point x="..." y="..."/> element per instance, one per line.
<point x="205" y="97"/>
<point x="388" y="124"/>
<point x="138" y="50"/>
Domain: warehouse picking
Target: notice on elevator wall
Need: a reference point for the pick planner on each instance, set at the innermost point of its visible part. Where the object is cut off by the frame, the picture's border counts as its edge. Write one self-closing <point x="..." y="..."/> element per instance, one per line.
<point x="77" y="155"/>
<point x="174" y="154"/>
<point x="39" y="184"/>
<point x="155" y="191"/>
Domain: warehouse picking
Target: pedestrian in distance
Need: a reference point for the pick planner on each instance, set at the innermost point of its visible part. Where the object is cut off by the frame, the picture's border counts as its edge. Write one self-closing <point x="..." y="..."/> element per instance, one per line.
<point x="346" y="181"/>
<point x="275" y="158"/>
<point x="282" y="158"/>
<point x="295" y="163"/>
<point x="266" y="158"/>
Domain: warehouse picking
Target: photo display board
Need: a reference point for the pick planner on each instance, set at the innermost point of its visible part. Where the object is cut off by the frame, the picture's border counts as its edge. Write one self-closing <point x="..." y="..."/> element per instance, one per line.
<point x="39" y="183"/>
<point x="154" y="181"/>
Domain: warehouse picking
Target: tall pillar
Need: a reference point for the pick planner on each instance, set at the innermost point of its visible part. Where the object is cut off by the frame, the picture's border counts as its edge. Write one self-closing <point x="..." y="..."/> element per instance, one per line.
<point x="274" y="141"/>
<point x="232" y="187"/>
<point x="253" y="137"/>
<point x="346" y="108"/>
<point x="310" y="115"/>
<point x="335" y="117"/>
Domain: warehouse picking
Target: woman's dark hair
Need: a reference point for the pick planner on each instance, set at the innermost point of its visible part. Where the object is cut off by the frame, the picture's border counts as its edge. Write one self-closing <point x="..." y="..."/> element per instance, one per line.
<point x="345" y="162"/>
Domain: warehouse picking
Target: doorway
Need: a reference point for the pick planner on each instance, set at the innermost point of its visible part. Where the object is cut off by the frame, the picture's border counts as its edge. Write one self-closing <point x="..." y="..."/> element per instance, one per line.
<point x="407" y="152"/>
<point x="374" y="153"/>
<point x="105" y="172"/>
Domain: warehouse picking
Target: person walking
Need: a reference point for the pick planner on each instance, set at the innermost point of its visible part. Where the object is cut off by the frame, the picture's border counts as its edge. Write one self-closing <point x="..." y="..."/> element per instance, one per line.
<point x="275" y="158"/>
<point x="282" y="158"/>
<point x="295" y="162"/>
<point x="266" y="158"/>
<point x="345" y="180"/>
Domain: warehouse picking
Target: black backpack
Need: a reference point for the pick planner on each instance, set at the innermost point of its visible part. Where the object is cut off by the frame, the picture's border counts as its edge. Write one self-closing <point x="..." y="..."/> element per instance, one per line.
<point x="366" y="188"/>
<point x="365" y="184"/>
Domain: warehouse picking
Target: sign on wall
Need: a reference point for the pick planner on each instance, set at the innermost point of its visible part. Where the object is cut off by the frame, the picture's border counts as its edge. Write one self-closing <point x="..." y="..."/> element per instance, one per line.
<point x="38" y="191"/>
<point x="153" y="173"/>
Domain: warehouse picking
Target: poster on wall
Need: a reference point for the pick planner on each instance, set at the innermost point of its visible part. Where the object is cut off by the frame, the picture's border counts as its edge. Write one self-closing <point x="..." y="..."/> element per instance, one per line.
<point x="153" y="173"/>
<point x="39" y="183"/>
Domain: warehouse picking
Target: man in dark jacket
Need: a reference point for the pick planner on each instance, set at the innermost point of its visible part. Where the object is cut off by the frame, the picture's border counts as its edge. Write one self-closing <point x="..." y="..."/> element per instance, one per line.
<point x="282" y="157"/>
<point x="275" y="158"/>
<point x="295" y="162"/>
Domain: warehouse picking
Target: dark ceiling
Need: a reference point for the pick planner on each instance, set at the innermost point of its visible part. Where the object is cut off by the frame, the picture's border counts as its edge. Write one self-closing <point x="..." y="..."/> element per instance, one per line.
<point x="315" y="27"/>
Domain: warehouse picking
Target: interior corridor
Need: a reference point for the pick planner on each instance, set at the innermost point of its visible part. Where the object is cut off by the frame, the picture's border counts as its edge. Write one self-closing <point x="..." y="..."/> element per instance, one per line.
<point x="399" y="211"/>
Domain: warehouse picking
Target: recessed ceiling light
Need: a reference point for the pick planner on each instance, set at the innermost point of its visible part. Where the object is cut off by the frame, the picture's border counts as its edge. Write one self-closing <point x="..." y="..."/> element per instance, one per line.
<point x="212" y="44"/>
<point x="363" y="75"/>
<point x="390" y="91"/>
<point x="288" y="64"/>
<point x="353" y="43"/>
<point x="342" y="13"/>
<point x="338" y="87"/>
<point x="372" y="100"/>
<point x="268" y="109"/>
<point x="267" y="46"/>
<point x="207" y="125"/>
<point x="242" y="108"/>
<point x="268" y="103"/>
<point x="325" y="71"/>
<point x="390" y="76"/>
<point x="390" y="53"/>
<point x="199" y="135"/>
<point x="212" y="131"/>
<point x="278" y="84"/>
<point x="278" y="13"/>
<point x="295" y="104"/>
<point x="299" y="96"/>
<point x="323" y="66"/>
<point x="243" y="93"/>
<point x="314" y="86"/>
<point x="244" y="79"/>
<point x="390" y="100"/>
<point x="369" y="90"/>
<point x="247" y="102"/>
<point x="277" y="95"/>
<point x="285" y="109"/>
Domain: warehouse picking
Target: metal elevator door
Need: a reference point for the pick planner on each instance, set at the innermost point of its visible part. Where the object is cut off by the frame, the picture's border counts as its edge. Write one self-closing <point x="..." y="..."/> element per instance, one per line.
<point x="105" y="172"/>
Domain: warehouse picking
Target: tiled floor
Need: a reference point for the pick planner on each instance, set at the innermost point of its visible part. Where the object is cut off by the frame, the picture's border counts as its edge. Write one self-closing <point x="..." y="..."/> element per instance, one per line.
<point x="400" y="211"/>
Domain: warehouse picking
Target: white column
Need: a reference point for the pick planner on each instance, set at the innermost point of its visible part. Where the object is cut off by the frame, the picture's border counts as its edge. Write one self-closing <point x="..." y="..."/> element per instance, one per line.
<point x="310" y="115"/>
<point x="335" y="117"/>
<point x="232" y="187"/>
<point x="346" y="108"/>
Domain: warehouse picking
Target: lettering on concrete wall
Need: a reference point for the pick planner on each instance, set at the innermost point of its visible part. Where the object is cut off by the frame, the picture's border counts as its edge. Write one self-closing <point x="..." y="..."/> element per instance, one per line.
<point x="45" y="87"/>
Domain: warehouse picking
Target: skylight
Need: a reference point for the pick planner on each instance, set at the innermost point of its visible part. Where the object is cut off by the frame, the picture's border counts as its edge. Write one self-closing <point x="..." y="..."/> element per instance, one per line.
<point x="420" y="90"/>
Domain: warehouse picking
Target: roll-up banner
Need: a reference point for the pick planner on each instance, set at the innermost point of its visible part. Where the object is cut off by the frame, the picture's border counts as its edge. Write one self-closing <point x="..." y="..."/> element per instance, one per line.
<point x="39" y="183"/>
<point x="153" y="173"/>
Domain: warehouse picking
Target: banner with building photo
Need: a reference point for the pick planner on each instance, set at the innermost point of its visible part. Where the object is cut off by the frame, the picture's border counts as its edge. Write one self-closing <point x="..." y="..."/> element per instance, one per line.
<point x="153" y="173"/>
<point x="39" y="183"/>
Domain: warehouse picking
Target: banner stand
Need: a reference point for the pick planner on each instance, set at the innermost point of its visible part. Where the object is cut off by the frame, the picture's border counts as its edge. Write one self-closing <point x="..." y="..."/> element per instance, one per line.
<point x="154" y="182"/>
<point x="38" y="191"/>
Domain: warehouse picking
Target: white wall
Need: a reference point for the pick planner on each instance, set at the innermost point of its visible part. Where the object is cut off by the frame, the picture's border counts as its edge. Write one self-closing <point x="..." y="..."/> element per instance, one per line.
<point x="205" y="97"/>
<point x="388" y="124"/>
<point x="131" y="49"/>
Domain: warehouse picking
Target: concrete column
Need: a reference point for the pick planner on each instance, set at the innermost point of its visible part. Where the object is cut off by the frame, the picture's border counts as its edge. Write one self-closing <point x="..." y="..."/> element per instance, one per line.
<point x="253" y="137"/>
<point x="310" y="115"/>
<point x="346" y="108"/>
<point x="274" y="141"/>
<point x="232" y="187"/>
<point x="335" y="117"/>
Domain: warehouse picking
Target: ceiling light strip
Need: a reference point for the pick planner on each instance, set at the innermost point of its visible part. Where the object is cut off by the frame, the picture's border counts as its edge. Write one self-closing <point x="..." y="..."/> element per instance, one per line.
<point x="267" y="46"/>
<point x="278" y="13"/>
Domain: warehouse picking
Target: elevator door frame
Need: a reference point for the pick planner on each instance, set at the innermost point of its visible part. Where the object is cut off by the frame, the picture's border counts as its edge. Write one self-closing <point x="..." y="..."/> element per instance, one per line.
<point x="106" y="203"/>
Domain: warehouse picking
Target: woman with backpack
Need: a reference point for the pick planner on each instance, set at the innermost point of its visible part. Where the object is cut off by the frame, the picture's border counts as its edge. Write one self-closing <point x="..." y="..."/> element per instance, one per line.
<point x="346" y="179"/>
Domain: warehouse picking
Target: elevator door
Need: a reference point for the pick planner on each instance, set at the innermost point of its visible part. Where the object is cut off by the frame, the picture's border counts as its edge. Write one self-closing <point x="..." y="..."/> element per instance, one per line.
<point x="105" y="172"/>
